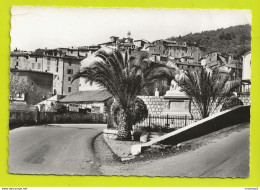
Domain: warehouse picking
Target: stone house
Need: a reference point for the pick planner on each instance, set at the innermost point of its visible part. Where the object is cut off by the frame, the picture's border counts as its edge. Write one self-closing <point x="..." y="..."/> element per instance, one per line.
<point x="90" y="101"/>
<point x="180" y="51"/>
<point x="39" y="86"/>
<point x="54" y="61"/>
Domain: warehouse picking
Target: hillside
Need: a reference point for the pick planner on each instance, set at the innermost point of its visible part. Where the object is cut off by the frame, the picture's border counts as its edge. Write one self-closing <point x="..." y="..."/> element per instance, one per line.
<point x="234" y="40"/>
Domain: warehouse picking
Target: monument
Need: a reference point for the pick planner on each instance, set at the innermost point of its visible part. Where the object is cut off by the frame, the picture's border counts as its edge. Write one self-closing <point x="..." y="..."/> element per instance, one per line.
<point x="177" y="103"/>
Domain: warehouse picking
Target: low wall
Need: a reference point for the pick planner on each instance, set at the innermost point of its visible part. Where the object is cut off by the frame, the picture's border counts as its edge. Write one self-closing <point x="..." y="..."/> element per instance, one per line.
<point x="156" y="104"/>
<point x="23" y="118"/>
<point x="208" y="125"/>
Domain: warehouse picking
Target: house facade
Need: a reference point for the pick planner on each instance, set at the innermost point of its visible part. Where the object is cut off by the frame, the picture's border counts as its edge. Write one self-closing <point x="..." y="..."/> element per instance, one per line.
<point x="39" y="86"/>
<point x="87" y="101"/>
<point x="246" y="74"/>
<point x="179" y="51"/>
<point x="62" y="63"/>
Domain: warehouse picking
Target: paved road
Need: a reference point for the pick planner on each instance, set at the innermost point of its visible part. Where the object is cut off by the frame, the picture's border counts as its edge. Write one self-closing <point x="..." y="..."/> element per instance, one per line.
<point x="225" y="155"/>
<point x="67" y="149"/>
<point x="53" y="149"/>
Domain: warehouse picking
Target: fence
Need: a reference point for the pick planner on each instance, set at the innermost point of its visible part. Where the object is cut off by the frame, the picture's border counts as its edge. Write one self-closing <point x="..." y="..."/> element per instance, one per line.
<point x="21" y="117"/>
<point x="165" y="123"/>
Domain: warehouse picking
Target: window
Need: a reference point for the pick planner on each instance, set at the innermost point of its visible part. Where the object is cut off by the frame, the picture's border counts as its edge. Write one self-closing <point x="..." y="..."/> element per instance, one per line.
<point x="57" y="68"/>
<point x="39" y="66"/>
<point x="69" y="63"/>
<point x="69" y="89"/>
<point x="69" y="78"/>
<point x="17" y="64"/>
<point x="48" y="66"/>
<point x="54" y="91"/>
<point x="69" y="71"/>
<point x="33" y="65"/>
<point x="35" y="59"/>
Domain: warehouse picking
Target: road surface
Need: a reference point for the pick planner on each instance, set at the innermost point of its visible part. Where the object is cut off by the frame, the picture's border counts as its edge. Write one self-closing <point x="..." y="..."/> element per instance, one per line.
<point x="67" y="149"/>
<point x="225" y="155"/>
<point x="54" y="149"/>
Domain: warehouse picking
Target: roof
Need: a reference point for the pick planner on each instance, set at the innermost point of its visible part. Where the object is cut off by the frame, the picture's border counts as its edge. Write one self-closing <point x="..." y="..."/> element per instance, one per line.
<point x="29" y="71"/>
<point x="114" y="37"/>
<point x="143" y="40"/>
<point x="87" y="96"/>
<point x="19" y="53"/>
<point x="106" y="43"/>
<point x="187" y="57"/>
<point x="51" y="99"/>
<point x="189" y="64"/>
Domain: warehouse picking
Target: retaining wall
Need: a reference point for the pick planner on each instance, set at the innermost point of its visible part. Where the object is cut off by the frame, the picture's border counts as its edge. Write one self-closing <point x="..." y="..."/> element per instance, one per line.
<point x="208" y="125"/>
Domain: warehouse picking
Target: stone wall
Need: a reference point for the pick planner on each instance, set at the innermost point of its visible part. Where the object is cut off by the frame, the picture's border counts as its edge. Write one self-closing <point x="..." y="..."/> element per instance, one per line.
<point x="155" y="104"/>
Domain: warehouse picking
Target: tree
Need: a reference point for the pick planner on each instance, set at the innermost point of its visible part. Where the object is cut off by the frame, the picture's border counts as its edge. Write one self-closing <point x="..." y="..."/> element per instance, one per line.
<point x="207" y="89"/>
<point x="139" y="113"/>
<point x="231" y="102"/>
<point x="124" y="77"/>
<point x="17" y="87"/>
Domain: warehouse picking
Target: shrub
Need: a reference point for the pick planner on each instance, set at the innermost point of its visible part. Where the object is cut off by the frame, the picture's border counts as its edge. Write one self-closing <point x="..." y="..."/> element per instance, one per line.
<point x="59" y="108"/>
<point x="140" y="113"/>
<point x="231" y="102"/>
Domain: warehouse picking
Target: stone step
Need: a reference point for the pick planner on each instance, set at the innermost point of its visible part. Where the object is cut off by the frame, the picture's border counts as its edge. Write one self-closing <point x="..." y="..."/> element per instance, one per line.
<point x="157" y="133"/>
<point x="154" y="136"/>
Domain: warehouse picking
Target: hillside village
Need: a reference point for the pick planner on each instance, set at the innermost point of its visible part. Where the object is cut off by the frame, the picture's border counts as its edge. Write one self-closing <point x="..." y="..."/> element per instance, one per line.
<point x="178" y="106"/>
<point x="49" y="72"/>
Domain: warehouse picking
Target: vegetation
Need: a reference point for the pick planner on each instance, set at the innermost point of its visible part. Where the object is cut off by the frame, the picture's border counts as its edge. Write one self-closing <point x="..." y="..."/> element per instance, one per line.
<point x="234" y="40"/>
<point x="231" y="102"/>
<point x="17" y="87"/>
<point x="208" y="90"/>
<point x="139" y="114"/>
<point x="124" y="77"/>
<point x="59" y="107"/>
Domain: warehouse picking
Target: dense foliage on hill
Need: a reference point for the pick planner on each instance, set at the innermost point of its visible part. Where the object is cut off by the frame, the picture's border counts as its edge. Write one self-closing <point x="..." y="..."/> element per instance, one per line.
<point x="234" y="40"/>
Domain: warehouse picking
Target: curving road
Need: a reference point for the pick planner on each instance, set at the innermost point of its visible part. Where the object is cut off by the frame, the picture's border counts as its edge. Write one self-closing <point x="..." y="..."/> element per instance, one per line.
<point x="223" y="154"/>
<point x="54" y="149"/>
<point x="67" y="149"/>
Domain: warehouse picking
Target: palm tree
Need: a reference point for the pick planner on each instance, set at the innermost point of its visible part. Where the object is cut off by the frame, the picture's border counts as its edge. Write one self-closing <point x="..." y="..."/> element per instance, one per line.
<point x="124" y="77"/>
<point x="208" y="90"/>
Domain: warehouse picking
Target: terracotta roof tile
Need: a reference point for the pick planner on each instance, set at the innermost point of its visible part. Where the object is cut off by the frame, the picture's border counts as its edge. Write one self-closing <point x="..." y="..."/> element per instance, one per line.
<point x="87" y="96"/>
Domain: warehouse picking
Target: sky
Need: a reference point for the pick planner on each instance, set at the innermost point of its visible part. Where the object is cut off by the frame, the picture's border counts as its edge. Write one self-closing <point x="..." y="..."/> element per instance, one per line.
<point x="53" y="27"/>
